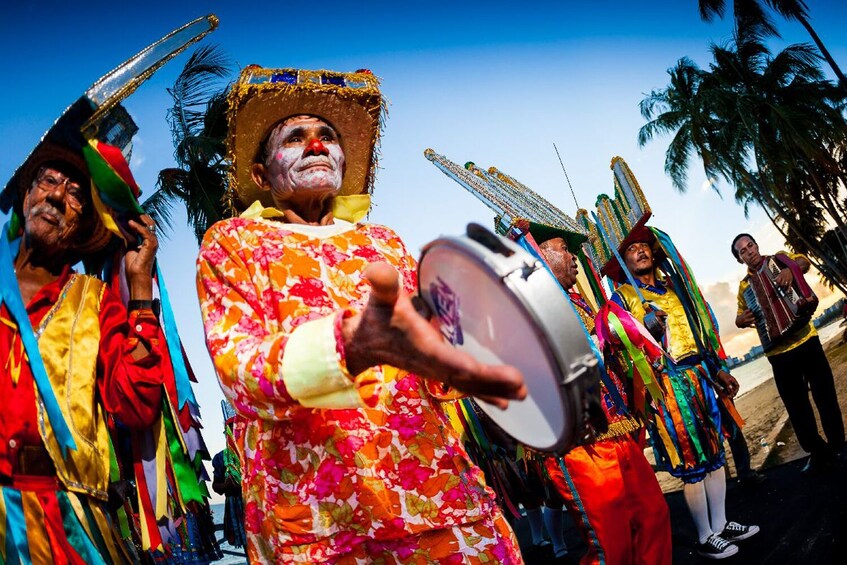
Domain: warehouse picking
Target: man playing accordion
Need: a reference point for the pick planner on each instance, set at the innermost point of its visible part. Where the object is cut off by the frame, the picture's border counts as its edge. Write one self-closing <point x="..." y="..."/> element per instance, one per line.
<point x="796" y="355"/>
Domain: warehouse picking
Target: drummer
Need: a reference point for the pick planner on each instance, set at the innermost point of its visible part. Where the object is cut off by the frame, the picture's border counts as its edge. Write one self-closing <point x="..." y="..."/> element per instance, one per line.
<point x="347" y="456"/>
<point x="608" y="486"/>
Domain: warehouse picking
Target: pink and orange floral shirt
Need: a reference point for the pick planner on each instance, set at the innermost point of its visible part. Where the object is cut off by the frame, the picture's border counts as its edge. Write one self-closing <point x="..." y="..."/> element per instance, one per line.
<point x="329" y="459"/>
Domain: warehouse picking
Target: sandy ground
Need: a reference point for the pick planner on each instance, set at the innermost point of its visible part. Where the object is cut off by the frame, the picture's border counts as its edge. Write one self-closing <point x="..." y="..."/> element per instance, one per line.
<point x="769" y="434"/>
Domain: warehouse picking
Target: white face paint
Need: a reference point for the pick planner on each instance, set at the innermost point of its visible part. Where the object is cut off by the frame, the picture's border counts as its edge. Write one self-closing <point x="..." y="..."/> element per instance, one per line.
<point x="305" y="159"/>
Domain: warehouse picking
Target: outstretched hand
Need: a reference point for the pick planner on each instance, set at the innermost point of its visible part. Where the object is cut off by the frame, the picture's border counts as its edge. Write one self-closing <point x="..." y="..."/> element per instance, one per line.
<point x="389" y="331"/>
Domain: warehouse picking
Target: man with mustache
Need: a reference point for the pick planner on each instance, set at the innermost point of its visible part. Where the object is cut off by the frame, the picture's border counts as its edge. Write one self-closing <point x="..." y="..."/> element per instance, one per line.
<point x="685" y="422"/>
<point x="347" y="455"/>
<point x="799" y="364"/>
<point x="73" y="354"/>
<point x="608" y="485"/>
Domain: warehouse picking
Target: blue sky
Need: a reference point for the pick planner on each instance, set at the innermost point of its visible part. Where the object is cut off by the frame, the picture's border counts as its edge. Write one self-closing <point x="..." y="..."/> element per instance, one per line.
<point x="494" y="82"/>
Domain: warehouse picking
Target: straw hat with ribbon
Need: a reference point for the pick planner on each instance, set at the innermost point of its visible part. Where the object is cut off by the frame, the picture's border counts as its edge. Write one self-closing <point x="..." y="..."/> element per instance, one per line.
<point x="350" y="102"/>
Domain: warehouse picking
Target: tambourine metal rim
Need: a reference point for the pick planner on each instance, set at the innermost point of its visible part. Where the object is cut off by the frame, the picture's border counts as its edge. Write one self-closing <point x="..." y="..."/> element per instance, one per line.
<point x="536" y="305"/>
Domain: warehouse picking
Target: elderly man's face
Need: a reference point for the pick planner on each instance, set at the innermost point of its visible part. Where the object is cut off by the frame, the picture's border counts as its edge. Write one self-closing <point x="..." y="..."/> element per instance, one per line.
<point x="639" y="258"/>
<point x="748" y="252"/>
<point x="561" y="261"/>
<point x="304" y="159"/>
<point x="54" y="206"/>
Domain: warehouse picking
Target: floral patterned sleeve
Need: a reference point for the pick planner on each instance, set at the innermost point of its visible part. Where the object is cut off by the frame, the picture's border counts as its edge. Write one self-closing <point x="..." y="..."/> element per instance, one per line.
<point x="264" y="370"/>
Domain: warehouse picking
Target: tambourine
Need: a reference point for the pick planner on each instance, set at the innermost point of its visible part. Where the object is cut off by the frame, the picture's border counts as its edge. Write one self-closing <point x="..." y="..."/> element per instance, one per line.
<point x="500" y="304"/>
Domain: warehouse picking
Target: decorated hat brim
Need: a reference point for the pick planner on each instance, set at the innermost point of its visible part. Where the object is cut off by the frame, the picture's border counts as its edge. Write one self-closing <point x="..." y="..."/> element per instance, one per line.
<point x="254" y="109"/>
<point x="542" y="232"/>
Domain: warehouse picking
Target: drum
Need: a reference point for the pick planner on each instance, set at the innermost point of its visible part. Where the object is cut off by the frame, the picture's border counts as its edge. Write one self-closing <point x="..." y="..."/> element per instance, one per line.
<point x="500" y="304"/>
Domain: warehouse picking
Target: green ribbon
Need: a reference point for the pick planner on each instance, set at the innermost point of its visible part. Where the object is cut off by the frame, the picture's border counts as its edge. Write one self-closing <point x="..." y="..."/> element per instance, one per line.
<point x="645" y="370"/>
<point x="115" y="476"/>
<point x="184" y="474"/>
<point x="687" y="417"/>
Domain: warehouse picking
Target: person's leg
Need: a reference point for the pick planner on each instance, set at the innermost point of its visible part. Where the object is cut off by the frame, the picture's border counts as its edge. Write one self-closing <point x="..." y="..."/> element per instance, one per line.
<point x="651" y="525"/>
<point x="698" y="507"/>
<point x="738" y="446"/>
<point x="589" y="479"/>
<point x="536" y="524"/>
<point x="819" y="375"/>
<point x="788" y="374"/>
<point x="554" y="516"/>
<point x="553" y="520"/>
<point x="715" y="483"/>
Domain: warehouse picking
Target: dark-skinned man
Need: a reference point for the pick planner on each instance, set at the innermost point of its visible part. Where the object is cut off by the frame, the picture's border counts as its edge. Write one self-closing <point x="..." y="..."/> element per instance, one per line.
<point x="74" y="354"/>
<point x="799" y="363"/>
<point x="685" y="423"/>
<point x="608" y="486"/>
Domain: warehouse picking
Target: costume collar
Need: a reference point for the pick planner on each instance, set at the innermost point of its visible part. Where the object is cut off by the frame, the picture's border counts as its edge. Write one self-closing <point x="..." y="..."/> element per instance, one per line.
<point x="659" y="288"/>
<point x="257" y="211"/>
<point x="351" y="208"/>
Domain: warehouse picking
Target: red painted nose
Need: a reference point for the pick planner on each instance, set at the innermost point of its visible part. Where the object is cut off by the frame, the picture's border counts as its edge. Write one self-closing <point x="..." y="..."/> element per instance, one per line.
<point x="315" y="147"/>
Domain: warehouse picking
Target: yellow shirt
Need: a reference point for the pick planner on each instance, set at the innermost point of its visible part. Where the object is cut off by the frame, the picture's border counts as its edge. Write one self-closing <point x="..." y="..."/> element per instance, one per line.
<point x="681" y="343"/>
<point x="800" y="336"/>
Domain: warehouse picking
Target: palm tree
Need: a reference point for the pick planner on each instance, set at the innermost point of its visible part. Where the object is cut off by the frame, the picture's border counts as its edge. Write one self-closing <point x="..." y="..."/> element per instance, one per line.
<point x="769" y="125"/>
<point x="795" y="10"/>
<point x="198" y="125"/>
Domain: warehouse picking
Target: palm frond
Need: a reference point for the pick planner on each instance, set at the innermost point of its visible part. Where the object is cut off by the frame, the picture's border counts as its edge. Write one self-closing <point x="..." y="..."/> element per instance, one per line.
<point x="201" y="80"/>
<point x="159" y="206"/>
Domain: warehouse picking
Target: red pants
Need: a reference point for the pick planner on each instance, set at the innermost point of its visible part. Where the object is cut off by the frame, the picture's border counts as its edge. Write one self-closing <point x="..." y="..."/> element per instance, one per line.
<point x="615" y="500"/>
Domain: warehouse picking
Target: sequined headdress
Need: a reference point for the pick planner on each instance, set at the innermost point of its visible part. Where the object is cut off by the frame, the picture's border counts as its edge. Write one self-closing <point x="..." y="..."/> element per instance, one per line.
<point x="623" y="219"/>
<point x="350" y="102"/>
<point x="515" y="204"/>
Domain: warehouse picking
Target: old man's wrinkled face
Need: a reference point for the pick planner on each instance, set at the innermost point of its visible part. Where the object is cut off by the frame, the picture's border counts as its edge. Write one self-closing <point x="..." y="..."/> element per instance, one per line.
<point x="561" y="261"/>
<point x="639" y="258"/>
<point x="303" y="159"/>
<point x="53" y="208"/>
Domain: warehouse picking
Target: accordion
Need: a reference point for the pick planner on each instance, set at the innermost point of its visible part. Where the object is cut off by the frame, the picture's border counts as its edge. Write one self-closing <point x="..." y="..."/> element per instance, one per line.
<point x="778" y="311"/>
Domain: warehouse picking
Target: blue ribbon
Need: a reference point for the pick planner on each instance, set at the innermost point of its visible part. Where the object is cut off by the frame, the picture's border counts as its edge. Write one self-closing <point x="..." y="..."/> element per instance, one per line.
<point x="17" y="543"/>
<point x="10" y="294"/>
<point x="617" y="399"/>
<point x="183" y="383"/>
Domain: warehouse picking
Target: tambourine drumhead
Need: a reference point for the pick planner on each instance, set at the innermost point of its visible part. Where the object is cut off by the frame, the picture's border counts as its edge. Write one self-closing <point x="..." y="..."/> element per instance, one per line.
<point x="510" y="310"/>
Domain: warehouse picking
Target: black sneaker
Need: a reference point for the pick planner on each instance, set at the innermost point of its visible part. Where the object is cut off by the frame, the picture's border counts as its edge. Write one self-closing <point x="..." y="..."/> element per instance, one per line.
<point x="716" y="548"/>
<point x="734" y="532"/>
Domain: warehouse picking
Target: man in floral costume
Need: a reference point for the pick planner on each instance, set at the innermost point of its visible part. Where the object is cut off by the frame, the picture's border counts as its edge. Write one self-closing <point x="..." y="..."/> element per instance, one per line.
<point x="346" y="453"/>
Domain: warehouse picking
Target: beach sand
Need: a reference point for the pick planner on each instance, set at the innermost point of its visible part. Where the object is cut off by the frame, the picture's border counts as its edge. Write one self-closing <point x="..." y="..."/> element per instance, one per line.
<point x="766" y="422"/>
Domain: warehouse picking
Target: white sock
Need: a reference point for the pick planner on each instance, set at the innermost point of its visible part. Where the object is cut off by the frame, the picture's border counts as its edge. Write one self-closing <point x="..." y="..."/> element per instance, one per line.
<point x="553" y="523"/>
<point x="716" y="494"/>
<point x="536" y="525"/>
<point x="695" y="498"/>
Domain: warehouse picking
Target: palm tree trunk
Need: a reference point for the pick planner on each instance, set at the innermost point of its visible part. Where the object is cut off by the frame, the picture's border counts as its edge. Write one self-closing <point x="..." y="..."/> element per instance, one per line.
<point x="824" y="51"/>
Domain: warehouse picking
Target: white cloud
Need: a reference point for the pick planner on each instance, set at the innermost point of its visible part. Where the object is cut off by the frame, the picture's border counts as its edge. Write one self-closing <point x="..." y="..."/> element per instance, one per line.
<point x="138" y="156"/>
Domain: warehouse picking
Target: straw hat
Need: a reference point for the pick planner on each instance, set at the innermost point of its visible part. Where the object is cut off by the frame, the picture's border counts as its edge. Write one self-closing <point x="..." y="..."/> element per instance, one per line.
<point x="350" y="102"/>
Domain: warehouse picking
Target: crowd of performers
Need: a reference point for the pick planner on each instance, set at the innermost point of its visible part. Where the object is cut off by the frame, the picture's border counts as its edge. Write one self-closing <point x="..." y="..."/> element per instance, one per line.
<point x="354" y="431"/>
